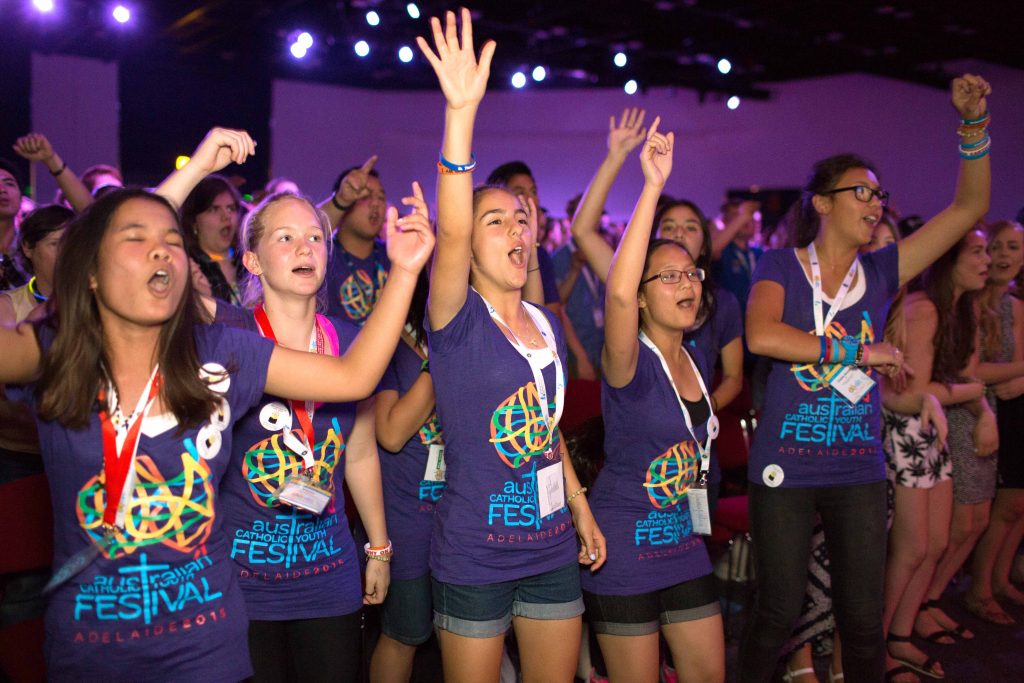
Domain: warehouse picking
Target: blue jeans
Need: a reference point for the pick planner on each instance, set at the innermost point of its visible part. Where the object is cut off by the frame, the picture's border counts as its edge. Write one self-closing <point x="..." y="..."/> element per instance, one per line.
<point x="782" y="521"/>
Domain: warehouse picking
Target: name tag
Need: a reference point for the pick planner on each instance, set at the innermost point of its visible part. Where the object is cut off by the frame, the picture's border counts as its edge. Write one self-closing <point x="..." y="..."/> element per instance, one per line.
<point x="550" y="489"/>
<point x="436" y="467"/>
<point x="852" y="384"/>
<point x="301" y="492"/>
<point x="700" y="510"/>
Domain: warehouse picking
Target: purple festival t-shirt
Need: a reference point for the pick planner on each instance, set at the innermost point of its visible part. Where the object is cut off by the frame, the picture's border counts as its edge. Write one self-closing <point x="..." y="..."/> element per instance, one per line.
<point x="355" y="284"/>
<point x="409" y="497"/>
<point x="168" y="606"/>
<point x="487" y="527"/>
<point x="291" y="564"/>
<point x="639" y="498"/>
<point x="809" y="434"/>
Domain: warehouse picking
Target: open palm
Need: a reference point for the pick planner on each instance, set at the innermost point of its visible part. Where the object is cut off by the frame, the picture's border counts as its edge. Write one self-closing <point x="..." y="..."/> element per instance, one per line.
<point x="463" y="79"/>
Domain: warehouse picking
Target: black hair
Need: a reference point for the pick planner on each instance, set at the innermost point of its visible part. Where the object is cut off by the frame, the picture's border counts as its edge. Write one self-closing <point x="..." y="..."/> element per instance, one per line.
<point x="501" y="175"/>
<point x="12" y="168"/>
<point x="701" y="260"/>
<point x="39" y="224"/>
<point x="824" y="176"/>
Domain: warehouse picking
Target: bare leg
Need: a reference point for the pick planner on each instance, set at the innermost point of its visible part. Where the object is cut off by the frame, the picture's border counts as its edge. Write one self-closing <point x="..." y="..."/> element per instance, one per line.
<point x="631" y="659"/>
<point x="391" y="661"/>
<point x="470" y="660"/>
<point x="1011" y="503"/>
<point x="548" y="648"/>
<point x="698" y="649"/>
<point x="800" y="660"/>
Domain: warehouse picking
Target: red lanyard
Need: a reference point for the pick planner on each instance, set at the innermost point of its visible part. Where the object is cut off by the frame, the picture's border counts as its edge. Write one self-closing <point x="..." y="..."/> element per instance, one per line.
<point x="118" y="462"/>
<point x="302" y="409"/>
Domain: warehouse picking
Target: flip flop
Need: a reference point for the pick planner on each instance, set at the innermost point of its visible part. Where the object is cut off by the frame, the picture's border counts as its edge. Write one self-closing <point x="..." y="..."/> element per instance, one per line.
<point x="959" y="631"/>
<point x="989" y="610"/>
<point x="937" y="637"/>
<point x="925" y="668"/>
<point x="896" y="671"/>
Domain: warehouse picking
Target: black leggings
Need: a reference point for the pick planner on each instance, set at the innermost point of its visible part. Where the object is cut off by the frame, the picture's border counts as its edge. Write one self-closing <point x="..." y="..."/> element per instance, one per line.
<point x="782" y="520"/>
<point x="326" y="649"/>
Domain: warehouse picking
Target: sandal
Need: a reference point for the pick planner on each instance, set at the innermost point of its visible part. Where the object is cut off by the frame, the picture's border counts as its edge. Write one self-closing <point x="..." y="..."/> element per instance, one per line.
<point x="791" y="675"/>
<point x="959" y="631"/>
<point x="925" y="668"/>
<point x="988" y="610"/>
<point x="896" y="671"/>
<point x="940" y="637"/>
<point x="835" y="677"/>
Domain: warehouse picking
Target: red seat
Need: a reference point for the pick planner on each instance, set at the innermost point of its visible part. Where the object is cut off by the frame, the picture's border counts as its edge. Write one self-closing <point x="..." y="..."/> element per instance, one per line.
<point x="732" y="517"/>
<point x="582" y="401"/>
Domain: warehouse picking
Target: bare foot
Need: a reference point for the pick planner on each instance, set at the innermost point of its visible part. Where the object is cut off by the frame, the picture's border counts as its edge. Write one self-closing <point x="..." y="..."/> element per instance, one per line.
<point x="987" y="609"/>
<point x="1009" y="593"/>
<point x="905" y="675"/>
<point x="930" y="618"/>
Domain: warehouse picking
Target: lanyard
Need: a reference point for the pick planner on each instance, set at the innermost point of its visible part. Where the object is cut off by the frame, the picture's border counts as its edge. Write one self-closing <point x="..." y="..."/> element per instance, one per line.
<point x="304" y="410"/>
<point x="712" y="423"/>
<point x="820" y="325"/>
<point x="537" y="364"/>
<point x="120" y="447"/>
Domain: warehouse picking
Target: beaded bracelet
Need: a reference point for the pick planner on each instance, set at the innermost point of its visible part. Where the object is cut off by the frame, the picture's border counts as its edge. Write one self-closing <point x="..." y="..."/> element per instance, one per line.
<point x="449" y="167"/>
<point x="849" y="345"/>
<point x="379" y="553"/>
<point x="576" y="493"/>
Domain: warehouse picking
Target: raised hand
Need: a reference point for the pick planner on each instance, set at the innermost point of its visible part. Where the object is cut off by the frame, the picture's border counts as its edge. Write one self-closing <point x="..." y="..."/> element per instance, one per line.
<point x="629" y="132"/>
<point x="34" y="147"/>
<point x="410" y="239"/>
<point x="656" y="156"/>
<point x="968" y="94"/>
<point x="533" y="218"/>
<point x="463" y="79"/>
<point x="354" y="186"/>
<point x="220" y="147"/>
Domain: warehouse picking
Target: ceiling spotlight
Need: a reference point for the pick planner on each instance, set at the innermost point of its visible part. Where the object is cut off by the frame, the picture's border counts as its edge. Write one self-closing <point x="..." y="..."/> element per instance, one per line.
<point x="518" y="79"/>
<point x="304" y="40"/>
<point x="405" y="54"/>
<point x="298" y="51"/>
<point x="733" y="102"/>
<point x="43" y="5"/>
<point x="620" y="59"/>
<point x="121" y="14"/>
<point x="724" y="66"/>
<point x="413" y="10"/>
<point x="539" y="73"/>
<point x="362" y="48"/>
<point x="630" y="87"/>
<point x="372" y="18"/>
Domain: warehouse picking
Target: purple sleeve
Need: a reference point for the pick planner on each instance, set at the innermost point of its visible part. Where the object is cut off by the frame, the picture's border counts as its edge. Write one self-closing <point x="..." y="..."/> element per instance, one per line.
<point x="887" y="263"/>
<point x="771" y="266"/>
<point x="247" y="361"/>
<point x="547" y="276"/>
<point x="459" y="329"/>
<point x="389" y="382"/>
<point x="728" y="317"/>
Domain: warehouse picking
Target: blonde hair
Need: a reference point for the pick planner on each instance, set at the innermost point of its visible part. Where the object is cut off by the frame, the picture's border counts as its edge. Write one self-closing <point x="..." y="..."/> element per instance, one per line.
<point x="253" y="228"/>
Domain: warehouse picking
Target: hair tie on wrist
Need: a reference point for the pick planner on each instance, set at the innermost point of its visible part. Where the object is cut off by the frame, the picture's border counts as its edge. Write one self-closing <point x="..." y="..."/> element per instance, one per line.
<point x="60" y="170"/>
<point x="340" y="207"/>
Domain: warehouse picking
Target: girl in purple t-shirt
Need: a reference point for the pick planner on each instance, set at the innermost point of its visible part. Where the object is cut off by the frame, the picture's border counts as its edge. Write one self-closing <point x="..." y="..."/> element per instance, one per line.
<point x="815" y="311"/>
<point x="657" y="421"/>
<point x="503" y="548"/>
<point x="144" y="585"/>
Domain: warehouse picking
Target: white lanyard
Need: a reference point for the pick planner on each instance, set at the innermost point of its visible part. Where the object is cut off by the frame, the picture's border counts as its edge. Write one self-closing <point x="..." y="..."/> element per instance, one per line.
<point x="820" y="324"/>
<point x="712" y="424"/>
<point x="121" y="433"/>
<point x="537" y="364"/>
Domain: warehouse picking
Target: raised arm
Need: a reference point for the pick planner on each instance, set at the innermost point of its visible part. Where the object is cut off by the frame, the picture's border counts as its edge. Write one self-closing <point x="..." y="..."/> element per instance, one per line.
<point x="353" y="187"/>
<point x="354" y="376"/>
<point x="219" y="148"/>
<point x="36" y="147"/>
<point x="973" y="187"/>
<point x="623" y="137"/>
<point x="463" y="80"/>
<point x="20" y="359"/>
<point x="720" y="239"/>
<point x="622" y="312"/>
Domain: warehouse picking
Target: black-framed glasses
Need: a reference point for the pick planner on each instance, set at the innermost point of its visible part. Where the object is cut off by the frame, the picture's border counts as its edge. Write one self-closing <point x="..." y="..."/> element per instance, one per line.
<point x="864" y="193"/>
<point x="671" y="277"/>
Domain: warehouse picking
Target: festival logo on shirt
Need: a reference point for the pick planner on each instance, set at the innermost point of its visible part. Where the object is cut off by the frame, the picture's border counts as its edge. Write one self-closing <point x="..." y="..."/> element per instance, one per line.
<point x="293" y="538"/>
<point x="430" y="432"/>
<point x="519" y="428"/>
<point x="668" y="479"/>
<point x="430" y="435"/>
<point x="268" y="463"/>
<point x="359" y="293"/>
<point x="828" y="418"/>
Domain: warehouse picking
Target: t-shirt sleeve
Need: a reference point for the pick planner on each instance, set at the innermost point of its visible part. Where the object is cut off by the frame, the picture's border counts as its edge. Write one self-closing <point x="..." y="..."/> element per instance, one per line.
<point x="547" y="276"/>
<point x="246" y="358"/>
<point x="772" y="266"/>
<point x="389" y="382"/>
<point x="887" y="264"/>
<point x="457" y="331"/>
<point x="728" y="317"/>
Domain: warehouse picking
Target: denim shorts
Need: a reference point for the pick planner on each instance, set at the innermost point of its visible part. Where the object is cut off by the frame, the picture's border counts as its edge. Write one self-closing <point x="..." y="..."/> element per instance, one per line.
<point x="405" y="614"/>
<point x="486" y="611"/>
<point x="641" y="615"/>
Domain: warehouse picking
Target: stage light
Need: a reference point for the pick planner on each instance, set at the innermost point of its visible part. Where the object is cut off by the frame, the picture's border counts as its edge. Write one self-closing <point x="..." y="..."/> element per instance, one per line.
<point x="372" y="18"/>
<point x="43" y="5"/>
<point x="362" y="48"/>
<point x="630" y="87"/>
<point x="298" y="51"/>
<point x="405" y="54"/>
<point x="733" y="102"/>
<point x="724" y="66"/>
<point x="413" y="10"/>
<point x="180" y="162"/>
<point x="539" y="73"/>
<point x="304" y="40"/>
<point x="121" y="14"/>
<point x="518" y="79"/>
<point x="620" y="59"/>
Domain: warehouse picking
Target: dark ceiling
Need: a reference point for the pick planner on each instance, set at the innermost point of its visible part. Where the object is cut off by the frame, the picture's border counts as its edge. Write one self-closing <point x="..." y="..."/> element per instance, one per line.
<point x="668" y="42"/>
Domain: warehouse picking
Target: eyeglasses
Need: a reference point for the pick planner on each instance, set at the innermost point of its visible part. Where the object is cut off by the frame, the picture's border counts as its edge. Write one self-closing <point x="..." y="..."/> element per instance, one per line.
<point x="864" y="193"/>
<point x="671" y="277"/>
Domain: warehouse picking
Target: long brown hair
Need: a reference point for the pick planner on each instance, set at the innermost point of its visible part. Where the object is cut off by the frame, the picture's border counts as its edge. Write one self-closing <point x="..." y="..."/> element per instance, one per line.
<point x="824" y="176"/>
<point x="989" y="303"/>
<point x="73" y="370"/>
<point x="954" y="334"/>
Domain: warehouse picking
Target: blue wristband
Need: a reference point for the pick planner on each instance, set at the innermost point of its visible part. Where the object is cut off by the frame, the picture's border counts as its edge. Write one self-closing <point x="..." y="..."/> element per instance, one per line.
<point x="457" y="168"/>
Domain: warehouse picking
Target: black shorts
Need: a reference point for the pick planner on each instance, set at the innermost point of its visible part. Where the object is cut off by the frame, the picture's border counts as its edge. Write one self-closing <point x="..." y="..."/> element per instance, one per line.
<point x="640" y="615"/>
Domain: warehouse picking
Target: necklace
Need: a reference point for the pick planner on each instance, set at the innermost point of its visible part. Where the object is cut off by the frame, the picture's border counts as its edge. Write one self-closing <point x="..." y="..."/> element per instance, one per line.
<point x="35" y="292"/>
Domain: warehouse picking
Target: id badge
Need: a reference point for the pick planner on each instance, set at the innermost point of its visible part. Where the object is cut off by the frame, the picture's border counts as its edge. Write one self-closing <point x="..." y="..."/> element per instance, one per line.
<point x="301" y="492"/>
<point x="79" y="561"/>
<point x="700" y="511"/>
<point x="550" y="489"/>
<point x="436" y="467"/>
<point x="852" y="383"/>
